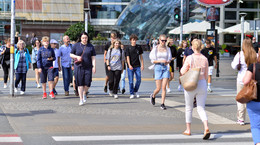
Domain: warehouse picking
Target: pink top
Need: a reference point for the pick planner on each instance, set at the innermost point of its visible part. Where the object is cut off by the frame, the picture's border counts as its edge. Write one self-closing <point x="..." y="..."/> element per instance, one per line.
<point x="199" y="61"/>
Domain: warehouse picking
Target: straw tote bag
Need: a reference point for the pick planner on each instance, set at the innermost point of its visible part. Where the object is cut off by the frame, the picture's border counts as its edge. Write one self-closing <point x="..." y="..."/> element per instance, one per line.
<point x="249" y="91"/>
<point x="190" y="79"/>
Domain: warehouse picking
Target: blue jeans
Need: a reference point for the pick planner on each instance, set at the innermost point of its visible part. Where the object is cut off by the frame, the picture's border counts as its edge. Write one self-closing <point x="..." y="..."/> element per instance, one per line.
<point x="137" y="72"/>
<point x="253" y="109"/>
<point x="123" y="79"/>
<point x="67" y="74"/>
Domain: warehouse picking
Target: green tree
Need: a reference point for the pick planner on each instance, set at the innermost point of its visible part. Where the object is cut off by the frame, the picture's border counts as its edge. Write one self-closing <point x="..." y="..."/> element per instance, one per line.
<point x="76" y="29"/>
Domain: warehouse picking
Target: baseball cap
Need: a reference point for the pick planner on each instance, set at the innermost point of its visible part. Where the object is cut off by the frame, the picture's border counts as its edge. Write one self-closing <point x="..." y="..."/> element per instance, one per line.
<point x="53" y="41"/>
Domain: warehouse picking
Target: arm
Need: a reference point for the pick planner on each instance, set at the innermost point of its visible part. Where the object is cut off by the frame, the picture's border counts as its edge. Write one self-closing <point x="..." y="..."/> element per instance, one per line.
<point x="185" y="67"/>
<point x="123" y="64"/>
<point x="206" y="70"/>
<point x="59" y="64"/>
<point x="39" y="61"/>
<point x="108" y="66"/>
<point x="105" y="54"/>
<point x="247" y="77"/>
<point x="216" y="62"/>
<point x="142" y="62"/>
<point x="128" y="62"/>
<point x="235" y="61"/>
<point x="93" y="58"/>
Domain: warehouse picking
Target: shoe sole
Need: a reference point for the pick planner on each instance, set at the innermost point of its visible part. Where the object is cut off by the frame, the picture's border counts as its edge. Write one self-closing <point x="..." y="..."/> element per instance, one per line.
<point x="206" y="136"/>
<point x="151" y="100"/>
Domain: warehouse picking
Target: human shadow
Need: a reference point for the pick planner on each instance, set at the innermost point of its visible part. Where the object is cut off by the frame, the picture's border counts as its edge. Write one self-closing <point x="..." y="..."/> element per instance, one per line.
<point x="31" y="113"/>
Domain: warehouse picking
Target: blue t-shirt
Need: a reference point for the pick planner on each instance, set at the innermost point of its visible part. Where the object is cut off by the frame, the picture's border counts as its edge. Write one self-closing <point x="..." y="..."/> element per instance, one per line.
<point x="57" y="55"/>
<point x="78" y="48"/>
<point x="188" y="51"/>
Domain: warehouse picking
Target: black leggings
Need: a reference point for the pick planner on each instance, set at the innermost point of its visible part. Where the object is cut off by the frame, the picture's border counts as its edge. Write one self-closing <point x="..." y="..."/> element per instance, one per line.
<point x="6" y="71"/>
<point x="114" y="79"/>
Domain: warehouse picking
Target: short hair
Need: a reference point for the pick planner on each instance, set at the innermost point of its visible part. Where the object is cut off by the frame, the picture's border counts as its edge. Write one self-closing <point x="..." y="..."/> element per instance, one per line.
<point x="8" y="40"/>
<point x="65" y="36"/>
<point x="208" y="41"/>
<point x="133" y="36"/>
<point x="45" y="39"/>
<point x="21" y="42"/>
<point x="113" y="34"/>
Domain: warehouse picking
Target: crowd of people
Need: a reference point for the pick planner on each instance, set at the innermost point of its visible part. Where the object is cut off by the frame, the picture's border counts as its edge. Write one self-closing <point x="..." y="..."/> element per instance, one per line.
<point x="77" y="63"/>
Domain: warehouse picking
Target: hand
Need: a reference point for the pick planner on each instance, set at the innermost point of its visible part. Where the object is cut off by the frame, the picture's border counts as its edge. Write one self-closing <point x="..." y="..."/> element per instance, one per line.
<point x="94" y="70"/>
<point x="72" y="67"/>
<point x="39" y="70"/>
<point x="50" y="58"/>
<point x="130" y="67"/>
<point x="142" y="68"/>
<point x="109" y="68"/>
<point x="79" y="58"/>
<point x="59" y="68"/>
<point x="177" y="68"/>
<point x="122" y="71"/>
<point x="163" y="61"/>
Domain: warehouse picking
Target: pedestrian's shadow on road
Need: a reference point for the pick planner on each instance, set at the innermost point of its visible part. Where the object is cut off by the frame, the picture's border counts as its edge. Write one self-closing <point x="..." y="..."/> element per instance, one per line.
<point x="220" y="134"/>
<point x="216" y="105"/>
<point x="31" y="113"/>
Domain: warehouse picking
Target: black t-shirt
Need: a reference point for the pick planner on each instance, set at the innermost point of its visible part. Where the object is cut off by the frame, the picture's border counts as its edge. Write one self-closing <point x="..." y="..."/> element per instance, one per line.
<point x="174" y="53"/>
<point x="256" y="46"/>
<point x="179" y="56"/>
<point x="133" y="52"/>
<point x="209" y="53"/>
<point x="78" y="48"/>
<point x="7" y="54"/>
<point x="257" y="78"/>
<point x="107" y="45"/>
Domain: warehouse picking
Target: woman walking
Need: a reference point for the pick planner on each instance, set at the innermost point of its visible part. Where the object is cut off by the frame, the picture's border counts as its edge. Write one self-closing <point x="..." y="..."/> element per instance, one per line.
<point x="253" y="107"/>
<point x="21" y="65"/>
<point x="5" y="53"/>
<point x="84" y="54"/>
<point x="160" y="56"/>
<point x="180" y="55"/>
<point x="243" y="59"/>
<point x="174" y="53"/>
<point x="115" y="63"/>
<point x="35" y="50"/>
<point x="196" y="60"/>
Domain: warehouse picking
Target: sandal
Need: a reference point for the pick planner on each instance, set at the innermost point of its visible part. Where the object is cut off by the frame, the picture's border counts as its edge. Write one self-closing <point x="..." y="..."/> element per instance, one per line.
<point x="206" y="135"/>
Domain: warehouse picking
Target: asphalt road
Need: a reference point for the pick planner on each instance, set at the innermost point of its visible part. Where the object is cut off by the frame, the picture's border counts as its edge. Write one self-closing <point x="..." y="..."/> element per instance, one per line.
<point x="29" y="120"/>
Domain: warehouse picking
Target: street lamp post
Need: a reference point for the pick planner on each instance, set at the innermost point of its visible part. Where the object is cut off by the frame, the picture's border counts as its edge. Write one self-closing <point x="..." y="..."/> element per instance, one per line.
<point x="181" y="24"/>
<point x="243" y="15"/>
<point x="86" y="10"/>
<point x="12" y="48"/>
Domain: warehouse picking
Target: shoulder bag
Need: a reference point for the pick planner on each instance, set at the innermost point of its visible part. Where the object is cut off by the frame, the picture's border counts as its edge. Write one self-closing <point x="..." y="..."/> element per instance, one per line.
<point x="249" y="91"/>
<point x="76" y="61"/>
<point x="190" y="79"/>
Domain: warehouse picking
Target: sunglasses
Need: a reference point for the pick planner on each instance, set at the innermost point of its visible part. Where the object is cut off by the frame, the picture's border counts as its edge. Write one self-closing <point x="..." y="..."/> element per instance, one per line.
<point x="164" y="40"/>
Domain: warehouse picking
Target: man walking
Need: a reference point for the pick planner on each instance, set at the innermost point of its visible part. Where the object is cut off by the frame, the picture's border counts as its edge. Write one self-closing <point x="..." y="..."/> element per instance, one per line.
<point x="64" y="52"/>
<point x="56" y="64"/>
<point x="133" y="57"/>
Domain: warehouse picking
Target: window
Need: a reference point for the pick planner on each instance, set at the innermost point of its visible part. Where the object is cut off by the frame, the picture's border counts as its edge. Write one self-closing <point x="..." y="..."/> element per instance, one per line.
<point x="230" y="15"/>
<point x="250" y="15"/>
<point x="229" y="38"/>
<point x="109" y="0"/>
<point x="106" y="11"/>
<point x="229" y="24"/>
<point x="249" y="4"/>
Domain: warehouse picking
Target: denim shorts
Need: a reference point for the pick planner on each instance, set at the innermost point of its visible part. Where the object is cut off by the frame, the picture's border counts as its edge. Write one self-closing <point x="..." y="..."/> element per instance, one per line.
<point x="161" y="72"/>
<point x="47" y="73"/>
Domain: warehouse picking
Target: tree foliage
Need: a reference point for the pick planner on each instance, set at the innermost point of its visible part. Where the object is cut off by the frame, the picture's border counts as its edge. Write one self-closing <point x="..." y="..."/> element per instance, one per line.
<point x="76" y="29"/>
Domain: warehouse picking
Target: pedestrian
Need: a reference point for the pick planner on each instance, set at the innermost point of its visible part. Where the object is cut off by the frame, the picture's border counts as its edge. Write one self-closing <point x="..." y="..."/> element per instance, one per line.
<point x="188" y="50"/>
<point x="64" y="52"/>
<point x="160" y="56"/>
<point x="85" y="65"/>
<point x="22" y="64"/>
<point x="154" y="42"/>
<point x="115" y="64"/>
<point x="45" y="58"/>
<point x="135" y="62"/>
<point x="243" y="59"/>
<point x="174" y="54"/>
<point x="35" y="50"/>
<point x="253" y="107"/>
<point x="113" y="36"/>
<point x="5" y="61"/>
<point x="33" y="39"/>
<point x="16" y="38"/>
<point x="255" y="45"/>
<point x="210" y="53"/>
<point x="196" y="60"/>
<point x="56" y="64"/>
<point x="180" y="55"/>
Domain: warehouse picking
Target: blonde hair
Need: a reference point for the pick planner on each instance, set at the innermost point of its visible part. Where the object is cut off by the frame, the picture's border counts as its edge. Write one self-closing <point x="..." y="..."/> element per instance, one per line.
<point x="183" y="41"/>
<point x="113" y="43"/>
<point x="45" y="39"/>
<point x="21" y="42"/>
<point x="197" y="44"/>
<point x="249" y="52"/>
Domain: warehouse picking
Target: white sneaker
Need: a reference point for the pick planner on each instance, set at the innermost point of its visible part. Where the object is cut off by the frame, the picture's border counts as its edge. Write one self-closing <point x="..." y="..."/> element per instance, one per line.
<point x="22" y="92"/>
<point x="116" y="96"/>
<point x="132" y="96"/>
<point x="84" y="98"/>
<point x="209" y="90"/>
<point x="137" y="95"/>
<point x="168" y="90"/>
<point x="5" y="86"/>
<point x="179" y="88"/>
<point x="110" y="93"/>
<point x="81" y="103"/>
<point x="38" y="86"/>
<point x="15" y="90"/>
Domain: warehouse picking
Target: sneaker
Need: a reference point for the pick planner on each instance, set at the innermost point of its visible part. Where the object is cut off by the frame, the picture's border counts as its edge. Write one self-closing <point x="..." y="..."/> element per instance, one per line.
<point x="67" y="93"/>
<point x="22" y="92"/>
<point x="116" y="96"/>
<point x="54" y="91"/>
<point x="5" y="86"/>
<point x="110" y="93"/>
<point x="152" y="99"/>
<point x="15" y="90"/>
<point x="137" y="95"/>
<point x="81" y="103"/>
<point x="44" y="96"/>
<point x="179" y="88"/>
<point x="52" y="95"/>
<point x="84" y="98"/>
<point x="240" y="122"/>
<point x="209" y="90"/>
<point x="168" y="90"/>
<point x="38" y="86"/>
<point x="76" y="93"/>
<point x="105" y="89"/>
<point x="123" y="91"/>
<point x="132" y="96"/>
<point x="163" y="107"/>
<point x="71" y="85"/>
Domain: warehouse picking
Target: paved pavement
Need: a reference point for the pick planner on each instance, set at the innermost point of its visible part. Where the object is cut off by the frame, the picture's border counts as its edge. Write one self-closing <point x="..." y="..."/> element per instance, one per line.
<point x="30" y="120"/>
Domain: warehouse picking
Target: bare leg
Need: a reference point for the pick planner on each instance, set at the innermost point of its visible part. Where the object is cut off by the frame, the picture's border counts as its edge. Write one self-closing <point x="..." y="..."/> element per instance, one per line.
<point x="85" y="89"/>
<point x="44" y="87"/>
<point x="50" y="83"/>
<point x="106" y="80"/>
<point x="206" y="127"/>
<point x="56" y="79"/>
<point x="164" y="82"/>
<point x="80" y="90"/>
<point x="37" y="76"/>
<point x="188" y="127"/>
<point x="158" y="87"/>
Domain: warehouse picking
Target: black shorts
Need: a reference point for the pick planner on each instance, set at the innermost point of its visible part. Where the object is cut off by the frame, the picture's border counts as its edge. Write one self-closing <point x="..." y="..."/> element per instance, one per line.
<point x="47" y="73"/>
<point x="172" y="66"/>
<point x="56" y="72"/>
<point x="106" y="69"/>
<point x="83" y="77"/>
<point x="35" y="66"/>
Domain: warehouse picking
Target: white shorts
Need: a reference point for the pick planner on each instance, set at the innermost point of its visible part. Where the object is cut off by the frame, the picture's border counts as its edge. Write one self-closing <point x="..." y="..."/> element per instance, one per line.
<point x="210" y="70"/>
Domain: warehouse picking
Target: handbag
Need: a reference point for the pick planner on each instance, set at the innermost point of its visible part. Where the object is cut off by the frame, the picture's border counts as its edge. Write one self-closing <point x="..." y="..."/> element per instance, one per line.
<point x="76" y="61"/>
<point x="249" y="91"/>
<point x="190" y="79"/>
